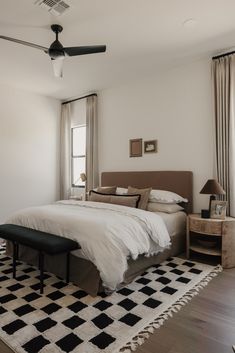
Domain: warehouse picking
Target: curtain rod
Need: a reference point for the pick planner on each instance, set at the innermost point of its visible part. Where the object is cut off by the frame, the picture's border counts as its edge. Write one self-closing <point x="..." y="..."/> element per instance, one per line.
<point x="222" y="55"/>
<point x="77" y="99"/>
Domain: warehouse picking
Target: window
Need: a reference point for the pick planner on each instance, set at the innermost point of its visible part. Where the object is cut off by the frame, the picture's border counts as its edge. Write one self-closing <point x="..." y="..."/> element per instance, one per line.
<point x="78" y="155"/>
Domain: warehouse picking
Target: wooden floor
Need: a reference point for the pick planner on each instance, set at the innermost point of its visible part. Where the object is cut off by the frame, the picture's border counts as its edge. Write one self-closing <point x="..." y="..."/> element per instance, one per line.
<point x="205" y="325"/>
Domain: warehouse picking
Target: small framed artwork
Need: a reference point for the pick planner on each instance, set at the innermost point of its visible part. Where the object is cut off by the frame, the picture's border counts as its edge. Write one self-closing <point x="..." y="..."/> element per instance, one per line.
<point x="150" y="146"/>
<point x="136" y="148"/>
<point x="218" y="209"/>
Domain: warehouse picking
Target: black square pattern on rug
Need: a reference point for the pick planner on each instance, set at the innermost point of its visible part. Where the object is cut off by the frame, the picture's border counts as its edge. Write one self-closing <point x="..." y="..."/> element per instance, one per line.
<point x="14" y="326"/>
<point x="37" y="286"/>
<point x="36" y="344"/>
<point x="188" y="263"/>
<point x="51" y="308"/>
<point x="148" y="290"/>
<point x="8" y="271"/>
<point x="183" y="280"/>
<point x="103" y="305"/>
<point x="163" y="280"/>
<point x="45" y="324"/>
<point x="31" y="297"/>
<point x="7" y="298"/>
<point x="69" y="343"/>
<point x="159" y="272"/>
<point x="79" y="294"/>
<point x="102" y="321"/>
<point x="127" y="304"/>
<point x="78" y="306"/>
<point x="24" y="310"/>
<point x="65" y="319"/>
<point x="172" y="264"/>
<point x="73" y="322"/>
<point x="143" y="281"/>
<point x="130" y="319"/>
<point x="195" y="271"/>
<point x="3" y="278"/>
<point x="103" y="340"/>
<point x="56" y="295"/>
<point x="177" y="272"/>
<point x="2" y="310"/>
<point x="168" y="290"/>
<point x="152" y="303"/>
<point x="29" y="269"/>
<point x="59" y="285"/>
<point x="15" y="287"/>
<point x="125" y="291"/>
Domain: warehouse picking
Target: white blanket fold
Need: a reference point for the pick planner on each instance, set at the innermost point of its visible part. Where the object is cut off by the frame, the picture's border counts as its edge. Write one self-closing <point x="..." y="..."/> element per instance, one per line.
<point x="108" y="234"/>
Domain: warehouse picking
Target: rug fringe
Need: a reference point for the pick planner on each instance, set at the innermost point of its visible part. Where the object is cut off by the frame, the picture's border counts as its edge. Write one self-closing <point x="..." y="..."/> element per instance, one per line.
<point x="157" y="323"/>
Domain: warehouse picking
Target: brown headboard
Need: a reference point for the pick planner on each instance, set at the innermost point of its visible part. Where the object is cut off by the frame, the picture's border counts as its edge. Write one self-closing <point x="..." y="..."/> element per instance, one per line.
<point x="180" y="182"/>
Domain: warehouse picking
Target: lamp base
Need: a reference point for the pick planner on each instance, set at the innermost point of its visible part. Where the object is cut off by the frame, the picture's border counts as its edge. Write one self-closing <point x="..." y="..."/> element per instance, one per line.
<point x="205" y="213"/>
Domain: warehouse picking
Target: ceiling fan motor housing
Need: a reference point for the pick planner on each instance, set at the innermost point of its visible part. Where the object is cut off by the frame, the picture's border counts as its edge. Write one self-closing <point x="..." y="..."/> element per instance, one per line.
<point x="56" y="50"/>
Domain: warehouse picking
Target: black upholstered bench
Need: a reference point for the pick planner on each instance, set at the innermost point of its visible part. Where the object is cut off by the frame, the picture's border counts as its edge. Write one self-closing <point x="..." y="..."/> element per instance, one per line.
<point x="44" y="243"/>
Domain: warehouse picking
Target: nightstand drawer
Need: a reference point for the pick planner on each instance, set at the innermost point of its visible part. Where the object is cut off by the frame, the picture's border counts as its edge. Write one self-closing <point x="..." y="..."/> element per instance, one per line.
<point x="204" y="226"/>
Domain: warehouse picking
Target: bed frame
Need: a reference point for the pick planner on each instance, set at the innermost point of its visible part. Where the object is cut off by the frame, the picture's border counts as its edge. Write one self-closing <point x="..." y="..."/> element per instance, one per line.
<point x="83" y="272"/>
<point x="180" y="182"/>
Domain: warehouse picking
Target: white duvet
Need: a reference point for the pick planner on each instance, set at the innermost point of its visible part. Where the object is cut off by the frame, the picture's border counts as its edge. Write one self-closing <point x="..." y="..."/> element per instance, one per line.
<point x="108" y="234"/>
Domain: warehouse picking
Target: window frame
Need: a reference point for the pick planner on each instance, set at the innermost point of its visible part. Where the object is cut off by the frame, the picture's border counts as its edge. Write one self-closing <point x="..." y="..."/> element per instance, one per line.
<point x="75" y="156"/>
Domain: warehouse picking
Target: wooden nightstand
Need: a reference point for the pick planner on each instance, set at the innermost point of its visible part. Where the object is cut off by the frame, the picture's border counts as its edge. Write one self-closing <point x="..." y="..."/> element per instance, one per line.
<point x="219" y="233"/>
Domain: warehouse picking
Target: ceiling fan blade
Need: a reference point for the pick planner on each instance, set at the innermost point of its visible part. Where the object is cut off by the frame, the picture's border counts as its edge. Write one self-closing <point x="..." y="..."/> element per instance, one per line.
<point x="73" y="51"/>
<point x="32" y="45"/>
<point x="57" y="65"/>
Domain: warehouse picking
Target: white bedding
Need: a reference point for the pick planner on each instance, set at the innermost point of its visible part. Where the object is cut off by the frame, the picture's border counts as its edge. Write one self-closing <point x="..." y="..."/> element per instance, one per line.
<point x="175" y="222"/>
<point x="108" y="234"/>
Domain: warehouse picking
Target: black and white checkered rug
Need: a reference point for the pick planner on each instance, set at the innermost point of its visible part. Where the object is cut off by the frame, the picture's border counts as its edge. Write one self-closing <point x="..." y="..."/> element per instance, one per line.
<point x="66" y="319"/>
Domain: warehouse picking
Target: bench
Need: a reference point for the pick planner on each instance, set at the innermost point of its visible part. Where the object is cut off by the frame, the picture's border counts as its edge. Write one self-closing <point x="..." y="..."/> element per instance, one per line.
<point x="44" y="243"/>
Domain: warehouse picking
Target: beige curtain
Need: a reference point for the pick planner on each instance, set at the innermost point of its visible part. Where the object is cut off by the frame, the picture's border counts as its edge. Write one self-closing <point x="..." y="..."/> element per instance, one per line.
<point x="91" y="144"/>
<point x="223" y="70"/>
<point x="65" y="152"/>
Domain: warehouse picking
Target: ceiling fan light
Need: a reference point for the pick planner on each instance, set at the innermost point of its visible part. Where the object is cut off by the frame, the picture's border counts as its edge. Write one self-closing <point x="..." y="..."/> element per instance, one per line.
<point x="57" y="65"/>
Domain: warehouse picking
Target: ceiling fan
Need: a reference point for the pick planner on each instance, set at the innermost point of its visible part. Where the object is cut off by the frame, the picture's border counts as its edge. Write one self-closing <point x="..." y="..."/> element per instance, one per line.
<point x="57" y="52"/>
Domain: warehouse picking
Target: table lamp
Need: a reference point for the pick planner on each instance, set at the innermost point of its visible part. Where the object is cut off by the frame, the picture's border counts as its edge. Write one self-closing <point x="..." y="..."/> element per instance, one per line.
<point x="83" y="177"/>
<point x="213" y="188"/>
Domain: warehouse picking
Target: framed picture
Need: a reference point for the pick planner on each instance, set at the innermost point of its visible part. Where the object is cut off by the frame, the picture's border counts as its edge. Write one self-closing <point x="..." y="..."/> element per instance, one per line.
<point x="150" y="146"/>
<point x="218" y="209"/>
<point x="136" y="148"/>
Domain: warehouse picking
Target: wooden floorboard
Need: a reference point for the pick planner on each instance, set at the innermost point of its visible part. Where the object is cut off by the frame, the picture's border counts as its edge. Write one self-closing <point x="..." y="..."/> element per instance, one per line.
<point x="205" y="325"/>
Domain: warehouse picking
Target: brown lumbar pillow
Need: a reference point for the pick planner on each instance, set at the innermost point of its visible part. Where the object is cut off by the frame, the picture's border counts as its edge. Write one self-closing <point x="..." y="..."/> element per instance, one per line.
<point x="107" y="190"/>
<point x="123" y="200"/>
<point x="144" y="196"/>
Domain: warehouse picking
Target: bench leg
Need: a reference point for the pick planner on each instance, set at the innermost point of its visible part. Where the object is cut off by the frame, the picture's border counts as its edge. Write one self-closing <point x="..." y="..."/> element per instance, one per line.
<point x="14" y="259"/>
<point x="41" y="267"/>
<point x="68" y="267"/>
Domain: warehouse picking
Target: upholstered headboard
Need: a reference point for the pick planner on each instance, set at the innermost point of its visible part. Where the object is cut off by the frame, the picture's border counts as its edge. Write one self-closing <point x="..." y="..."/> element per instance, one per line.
<point x="180" y="182"/>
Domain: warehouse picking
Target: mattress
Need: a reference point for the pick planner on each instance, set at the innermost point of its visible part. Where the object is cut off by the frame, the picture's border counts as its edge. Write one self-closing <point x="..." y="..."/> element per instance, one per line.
<point x="85" y="274"/>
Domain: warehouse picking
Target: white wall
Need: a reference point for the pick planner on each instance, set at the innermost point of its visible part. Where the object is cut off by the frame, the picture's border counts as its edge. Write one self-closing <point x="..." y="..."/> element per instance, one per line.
<point x="29" y="150"/>
<point x="175" y="108"/>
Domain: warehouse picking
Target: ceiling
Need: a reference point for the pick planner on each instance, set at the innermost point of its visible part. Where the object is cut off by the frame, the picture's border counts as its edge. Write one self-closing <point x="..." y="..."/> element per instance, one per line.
<point x="143" y="37"/>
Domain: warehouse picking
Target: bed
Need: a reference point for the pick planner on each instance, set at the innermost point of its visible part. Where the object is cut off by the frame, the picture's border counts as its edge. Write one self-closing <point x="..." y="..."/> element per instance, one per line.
<point x="84" y="273"/>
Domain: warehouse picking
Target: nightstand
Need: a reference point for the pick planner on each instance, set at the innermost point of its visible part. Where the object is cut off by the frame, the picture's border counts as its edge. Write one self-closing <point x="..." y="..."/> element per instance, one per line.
<point x="213" y="237"/>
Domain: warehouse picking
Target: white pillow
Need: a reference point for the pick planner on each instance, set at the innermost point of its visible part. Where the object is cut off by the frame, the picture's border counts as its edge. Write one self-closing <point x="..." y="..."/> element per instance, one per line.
<point x="164" y="196"/>
<point x="164" y="207"/>
<point x="121" y="191"/>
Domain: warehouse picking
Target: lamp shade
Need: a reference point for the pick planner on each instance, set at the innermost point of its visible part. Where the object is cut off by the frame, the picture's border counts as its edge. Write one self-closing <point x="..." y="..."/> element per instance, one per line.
<point x="212" y="187"/>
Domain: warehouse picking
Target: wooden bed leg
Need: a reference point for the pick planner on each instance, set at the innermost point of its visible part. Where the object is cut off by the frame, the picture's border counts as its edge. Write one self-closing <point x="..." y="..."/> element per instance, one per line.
<point x="41" y="267"/>
<point x="68" y="267"/>
<point x="14" y="259"/>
